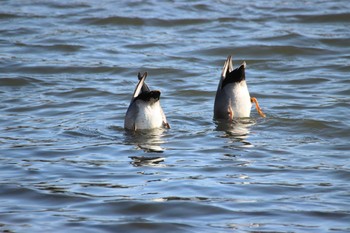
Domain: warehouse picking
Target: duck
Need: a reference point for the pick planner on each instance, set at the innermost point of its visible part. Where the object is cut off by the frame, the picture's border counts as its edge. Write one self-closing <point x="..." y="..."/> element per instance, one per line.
<point x="232" y="98"/>
<point x="144" y="111"/>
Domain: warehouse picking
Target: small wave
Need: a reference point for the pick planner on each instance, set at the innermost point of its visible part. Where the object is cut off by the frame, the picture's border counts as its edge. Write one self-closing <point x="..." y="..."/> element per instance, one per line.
<point x="136" y="21"/>
<point x="308" y="81"/>
<point x="265" y="51"/>
<point x="45" y="192"/>
<point x="5" y="16"/>
<point x="17" y="31"/>
<point x="324" y="18"/>
<point x="67" y="5"/>
<point x="19" y="81"/>
<point x="51" y="69"/>
<point x="52" y="47"/>
<point x="8" y="15"/>
<point x="89" y="133"/>
<point x="61" y="47"/>
<point x="81" y="92"/>
<point x="85" y="132"/>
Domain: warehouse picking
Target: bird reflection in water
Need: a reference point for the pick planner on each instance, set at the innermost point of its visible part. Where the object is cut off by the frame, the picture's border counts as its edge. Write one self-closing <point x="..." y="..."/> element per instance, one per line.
<point x="237" y="131"/>
<point x="150" y="141"/>
<point x="147" y="140"/>
<point x="138" y="161"/>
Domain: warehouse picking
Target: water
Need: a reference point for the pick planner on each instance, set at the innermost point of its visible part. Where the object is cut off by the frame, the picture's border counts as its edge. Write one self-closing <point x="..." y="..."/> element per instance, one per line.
<point x="68" y="69"/>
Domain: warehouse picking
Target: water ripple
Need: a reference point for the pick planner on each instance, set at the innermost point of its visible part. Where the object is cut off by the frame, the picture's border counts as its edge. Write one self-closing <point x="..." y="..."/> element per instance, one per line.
<point x="136" y="21"/>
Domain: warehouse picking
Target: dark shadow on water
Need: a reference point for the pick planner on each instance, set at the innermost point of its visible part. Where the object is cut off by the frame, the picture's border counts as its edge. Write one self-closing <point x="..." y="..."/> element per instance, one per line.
<point x="236" y="131"/>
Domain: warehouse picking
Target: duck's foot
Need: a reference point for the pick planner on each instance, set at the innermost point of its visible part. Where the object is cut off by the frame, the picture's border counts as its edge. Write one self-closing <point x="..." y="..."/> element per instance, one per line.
<point x="254" y="100"/>
<point x="230" y="112"/>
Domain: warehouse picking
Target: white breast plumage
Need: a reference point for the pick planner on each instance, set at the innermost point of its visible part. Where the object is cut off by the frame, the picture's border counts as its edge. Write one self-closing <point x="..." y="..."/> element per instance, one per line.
<point x="149" y="116"/>
<point x="239" y="99"/>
